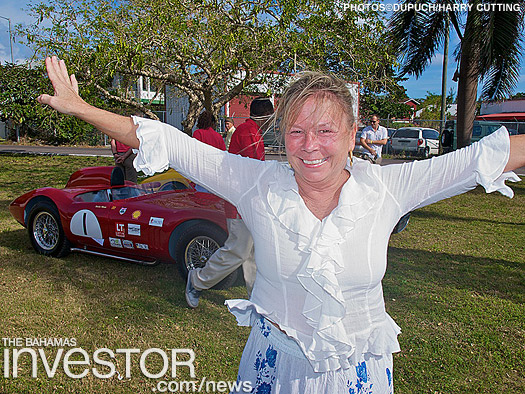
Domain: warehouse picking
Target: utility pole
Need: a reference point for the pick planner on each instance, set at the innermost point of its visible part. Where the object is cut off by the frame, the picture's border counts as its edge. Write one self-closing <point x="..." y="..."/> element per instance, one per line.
<point x="444" y="85"/>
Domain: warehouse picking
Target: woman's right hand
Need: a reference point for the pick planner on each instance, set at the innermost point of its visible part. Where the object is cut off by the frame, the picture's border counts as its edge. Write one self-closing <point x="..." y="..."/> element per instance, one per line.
<point x="66" y="98"/>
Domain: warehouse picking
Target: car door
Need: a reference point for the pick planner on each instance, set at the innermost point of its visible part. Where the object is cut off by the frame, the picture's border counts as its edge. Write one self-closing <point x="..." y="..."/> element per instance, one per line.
<point x="431" y="137"/>
<point x="133" y="226"/>
<point x="126" y="228"/>
<point x="88" y="219"/>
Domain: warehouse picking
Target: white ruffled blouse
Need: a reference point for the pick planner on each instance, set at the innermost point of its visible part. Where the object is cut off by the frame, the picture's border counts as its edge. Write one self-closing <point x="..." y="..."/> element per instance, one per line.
<point x="320" y="281"/>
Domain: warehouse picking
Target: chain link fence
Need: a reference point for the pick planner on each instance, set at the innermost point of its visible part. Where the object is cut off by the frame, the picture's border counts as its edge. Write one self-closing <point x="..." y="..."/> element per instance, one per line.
<point x="273" y="141"/>
<point x="513" y="127"/>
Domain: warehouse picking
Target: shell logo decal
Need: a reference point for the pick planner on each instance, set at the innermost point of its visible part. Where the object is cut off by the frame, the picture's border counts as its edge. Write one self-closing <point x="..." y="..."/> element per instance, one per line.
<point x="136" y="214"/>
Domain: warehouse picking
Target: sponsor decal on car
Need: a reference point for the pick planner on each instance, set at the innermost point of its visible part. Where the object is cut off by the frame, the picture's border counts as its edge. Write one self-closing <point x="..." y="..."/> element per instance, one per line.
<point x="120" y="230"/>
<point x="122" y="211"/>
<point x="157" y="222"/>
<point x="128" y="244"/>
<point x="136" y="214"/>
<point x="113" y="207"/>
<point x="141" y="246"/>
<point x="115" y="242"/>
<point x="134" y="229"/>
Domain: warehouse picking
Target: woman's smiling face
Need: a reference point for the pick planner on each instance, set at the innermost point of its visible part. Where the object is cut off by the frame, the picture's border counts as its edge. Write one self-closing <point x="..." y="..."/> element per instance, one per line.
<point x="318" y="142"/>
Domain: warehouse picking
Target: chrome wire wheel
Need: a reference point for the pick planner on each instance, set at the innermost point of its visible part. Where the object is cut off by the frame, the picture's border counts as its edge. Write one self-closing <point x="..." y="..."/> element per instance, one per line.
<point x="198" y="251"/>
<point x="46" y="231"/>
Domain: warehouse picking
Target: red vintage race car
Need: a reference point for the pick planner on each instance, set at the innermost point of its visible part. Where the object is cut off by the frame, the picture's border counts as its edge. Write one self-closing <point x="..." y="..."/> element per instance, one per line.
<point x="100" y="213"/>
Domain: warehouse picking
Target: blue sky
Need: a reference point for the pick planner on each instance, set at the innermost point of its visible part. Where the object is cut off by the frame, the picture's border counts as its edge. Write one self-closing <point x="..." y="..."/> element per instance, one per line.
<point x="430" y="81"/>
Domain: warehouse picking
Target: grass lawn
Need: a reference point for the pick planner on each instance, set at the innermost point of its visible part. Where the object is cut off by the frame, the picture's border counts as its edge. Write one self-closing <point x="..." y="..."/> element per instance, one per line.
<point x="455" y="284"/>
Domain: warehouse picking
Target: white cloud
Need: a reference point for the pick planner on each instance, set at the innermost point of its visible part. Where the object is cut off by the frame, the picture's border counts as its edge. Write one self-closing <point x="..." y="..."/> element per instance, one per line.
<point x="437" y="60"/>
<point x="16" y="11"/>
<point x="5" y="55"/>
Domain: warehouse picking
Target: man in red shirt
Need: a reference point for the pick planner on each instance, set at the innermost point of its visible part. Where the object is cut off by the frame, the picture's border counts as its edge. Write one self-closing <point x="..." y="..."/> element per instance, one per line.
<point x="247" y="140"/>
<point x="238" y="249"/>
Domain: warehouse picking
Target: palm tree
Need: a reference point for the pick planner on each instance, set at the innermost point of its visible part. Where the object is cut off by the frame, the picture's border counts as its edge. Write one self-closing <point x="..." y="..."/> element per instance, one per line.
<point x="489" y="49"/>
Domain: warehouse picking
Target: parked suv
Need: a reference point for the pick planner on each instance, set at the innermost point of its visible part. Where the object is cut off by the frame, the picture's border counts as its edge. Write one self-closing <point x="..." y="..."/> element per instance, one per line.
<point x="418" y="141"/>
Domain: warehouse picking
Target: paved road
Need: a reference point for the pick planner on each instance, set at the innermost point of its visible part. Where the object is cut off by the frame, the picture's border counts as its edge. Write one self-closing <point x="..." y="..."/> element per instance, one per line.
<point x="106" y="152"/>
<point x="55" y="150"/>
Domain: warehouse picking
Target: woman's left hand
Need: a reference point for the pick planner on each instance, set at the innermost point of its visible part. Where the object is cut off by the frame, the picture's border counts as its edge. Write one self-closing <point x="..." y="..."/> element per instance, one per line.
<point x="517" y="153"/>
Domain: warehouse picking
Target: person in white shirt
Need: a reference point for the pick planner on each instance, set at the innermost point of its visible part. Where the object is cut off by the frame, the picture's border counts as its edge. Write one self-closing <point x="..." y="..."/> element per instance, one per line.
<point x="229" y="129"/>
<point x="373" y="138"/>
<point x="317" y="312"/>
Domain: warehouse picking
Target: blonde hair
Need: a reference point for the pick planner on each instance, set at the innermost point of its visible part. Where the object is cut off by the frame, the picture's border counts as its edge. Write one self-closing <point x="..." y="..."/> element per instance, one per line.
<point x="312" y="84"/>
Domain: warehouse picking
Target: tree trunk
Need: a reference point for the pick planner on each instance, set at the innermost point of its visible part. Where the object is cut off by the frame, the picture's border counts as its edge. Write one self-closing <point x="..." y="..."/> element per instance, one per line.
<point x="194" y="111"/>
<point x="468" y="83"/>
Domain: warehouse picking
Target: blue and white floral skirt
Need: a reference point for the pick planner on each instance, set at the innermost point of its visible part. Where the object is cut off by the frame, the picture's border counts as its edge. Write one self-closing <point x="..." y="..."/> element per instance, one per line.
<point x="273" y="363"/>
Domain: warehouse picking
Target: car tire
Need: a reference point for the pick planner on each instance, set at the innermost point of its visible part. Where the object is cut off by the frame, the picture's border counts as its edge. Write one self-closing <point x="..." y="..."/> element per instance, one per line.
<point x="45" y="230"/>
<point x="195" y="245"/>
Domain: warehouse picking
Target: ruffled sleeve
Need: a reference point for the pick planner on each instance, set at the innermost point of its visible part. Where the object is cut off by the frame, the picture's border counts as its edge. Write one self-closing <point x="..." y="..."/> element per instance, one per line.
<point x="224" y="174"/>
<point x="493" y="156"/>
<point x="152" y="155"/>
<point x="423" y="182"/>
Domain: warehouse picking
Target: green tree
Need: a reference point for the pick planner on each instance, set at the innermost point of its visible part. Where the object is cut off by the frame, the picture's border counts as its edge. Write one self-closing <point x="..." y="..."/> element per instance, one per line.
<point x="519" y="95"/>
<point x="387" y="106"/>
<point x="19" y="87"/>
<point x="208" y="50"/>
<point x="431" y="108"/>
<point x="490" y="49"/>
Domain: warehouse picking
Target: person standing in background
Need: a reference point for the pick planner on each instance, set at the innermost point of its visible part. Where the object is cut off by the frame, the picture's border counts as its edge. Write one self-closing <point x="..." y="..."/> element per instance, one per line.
<point x="373" y="138"/>
<point x="124" y="157"/>
<point x="229" y="128"/>
<point x="206" y="133"/>
<point x="247" y="141"/>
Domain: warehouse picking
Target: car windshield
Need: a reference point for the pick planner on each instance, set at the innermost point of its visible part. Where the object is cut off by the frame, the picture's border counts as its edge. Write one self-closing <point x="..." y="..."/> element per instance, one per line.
<point x="123" y="192"/>
<point x="407" y="133"/>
